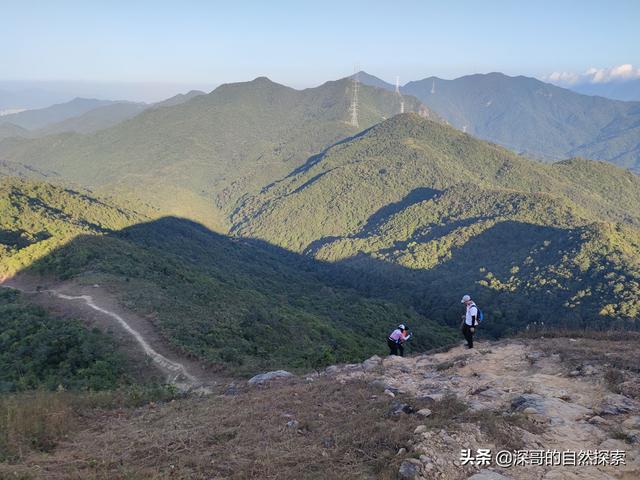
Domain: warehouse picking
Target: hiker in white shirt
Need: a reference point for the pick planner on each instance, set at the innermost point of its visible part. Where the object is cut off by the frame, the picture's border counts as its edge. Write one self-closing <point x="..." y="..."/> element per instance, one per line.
<point x="470" y="320"/>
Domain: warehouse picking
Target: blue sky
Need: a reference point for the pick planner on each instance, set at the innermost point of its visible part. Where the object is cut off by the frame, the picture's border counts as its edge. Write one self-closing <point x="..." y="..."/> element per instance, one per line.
<point x="304" y="43"/>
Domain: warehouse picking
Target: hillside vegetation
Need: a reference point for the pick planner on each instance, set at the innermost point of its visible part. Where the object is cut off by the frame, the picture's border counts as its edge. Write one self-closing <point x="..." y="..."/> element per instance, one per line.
<point x="198" y="158"/>
<point x="38" y="350"/>
<point x="36" y="217"/>
<point x="441" y="212"/>
<point x="241" y="305"/>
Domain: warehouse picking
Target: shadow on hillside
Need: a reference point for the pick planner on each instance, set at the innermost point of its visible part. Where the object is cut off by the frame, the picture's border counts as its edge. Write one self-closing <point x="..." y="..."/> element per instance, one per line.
<point x="280" y="306"/>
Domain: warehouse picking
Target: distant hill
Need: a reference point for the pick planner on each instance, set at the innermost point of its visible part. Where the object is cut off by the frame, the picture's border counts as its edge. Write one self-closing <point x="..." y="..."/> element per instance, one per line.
<point x="35" y="119"/>
<point x="96" y="119"/>
<point x="627" y="91"/>
<point x="534" y="118"/>
<point x="198" y="158"/>
<point x="374" y="81"/>
<point x="423" y="204"/>
<point x="178" y="99"/>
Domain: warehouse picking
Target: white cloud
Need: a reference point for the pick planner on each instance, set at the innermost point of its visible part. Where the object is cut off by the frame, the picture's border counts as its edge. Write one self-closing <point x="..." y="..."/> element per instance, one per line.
<point x="622" y="72"/>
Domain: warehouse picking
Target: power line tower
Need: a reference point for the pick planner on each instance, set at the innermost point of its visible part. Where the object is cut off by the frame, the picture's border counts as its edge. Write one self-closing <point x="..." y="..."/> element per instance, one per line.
<point x="354" y="101"/>
<point x="399" y="94"/>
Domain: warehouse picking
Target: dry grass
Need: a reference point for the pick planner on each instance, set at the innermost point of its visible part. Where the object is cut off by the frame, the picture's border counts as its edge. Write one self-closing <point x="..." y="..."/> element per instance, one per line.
<point x="342" y="431"/>
<point x="598" y="348"/>
<point x="38" y="420"/>
<point x="33" y="421"/>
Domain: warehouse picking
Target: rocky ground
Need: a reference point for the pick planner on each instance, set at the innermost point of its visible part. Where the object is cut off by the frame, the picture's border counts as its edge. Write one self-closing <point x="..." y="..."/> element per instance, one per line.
<point x="443" y="415"/>
<point x="515" y="396"/>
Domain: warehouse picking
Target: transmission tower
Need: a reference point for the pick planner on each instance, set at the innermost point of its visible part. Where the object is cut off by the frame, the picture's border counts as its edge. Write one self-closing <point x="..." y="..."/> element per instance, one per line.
<point x="399" y="95"/>
<point x="354" y="101"/>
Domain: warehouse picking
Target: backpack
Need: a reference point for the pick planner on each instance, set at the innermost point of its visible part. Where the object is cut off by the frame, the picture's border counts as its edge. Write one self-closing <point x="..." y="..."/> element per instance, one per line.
<point x="480" y="316"/>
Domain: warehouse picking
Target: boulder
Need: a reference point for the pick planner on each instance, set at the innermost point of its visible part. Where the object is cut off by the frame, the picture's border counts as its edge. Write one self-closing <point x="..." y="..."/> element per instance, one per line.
<point x="331" y="370"/>
<point x="420" y="429"/>
<point x="615" y="404"/>
<point x="394" y="360"/>
<point x="409" y="469"/>
<point x="266" y="377"/>
<point x="371" y="363"/>
<point x="424" y="412"/>
<point x="528" y="403"/>
<point x="632" y="423"/>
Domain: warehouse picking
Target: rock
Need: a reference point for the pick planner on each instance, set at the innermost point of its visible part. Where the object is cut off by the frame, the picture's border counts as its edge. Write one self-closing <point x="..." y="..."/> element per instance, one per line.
<point x="231" y="390"/>
<point x="530" y="411"/>
<point x="563" y="395"/>
<point x="331" y="370"/>
<point x="328" y="442"/>
<point x="588" y="370"/>
<point x="425" y="459"/>
<point x="528" y="400"/>
<point x="534" y="356"/>
<point x="613" y="444"/>
<point x="266" y="377"/>
<point x="432" y="398"/>
<point x="424" y="412"/>
<point x="574" y="373"/>
<point x="408" y="470"/>
<point x="402" y="451"/>
<point x="389" y="392"/>
<point x="420" y="429"/>
<point x="352" y="367"/>
<point x="397" y="408"/>
<point x="293" y="424"/>
<point x="615" y="404"/>
<point x="393" y="360"/>
<point x="598" y="420"/>
<point x="632" y="423"/>
<point x="488" y="475"/>
<point x="630" y="388"/>
<point x="371" y="363"/>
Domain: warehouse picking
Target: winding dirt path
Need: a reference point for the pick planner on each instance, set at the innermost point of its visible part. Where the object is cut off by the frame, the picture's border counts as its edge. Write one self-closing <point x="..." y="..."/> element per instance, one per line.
<point x="176" y="372"/>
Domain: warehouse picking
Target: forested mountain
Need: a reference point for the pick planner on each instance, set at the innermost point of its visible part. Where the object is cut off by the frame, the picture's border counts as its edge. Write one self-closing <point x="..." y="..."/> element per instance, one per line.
<point x="534" y="118"/>
<point x="197" y="158"/>
<point x="239" y="304"/>
<point x="422" y="203"/>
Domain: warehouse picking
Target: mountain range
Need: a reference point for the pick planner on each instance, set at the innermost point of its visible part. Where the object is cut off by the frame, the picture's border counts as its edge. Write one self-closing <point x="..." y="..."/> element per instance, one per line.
<point x="534" y="118"/>
<point x="262" y="208"/>
<point x="199" y="157"/>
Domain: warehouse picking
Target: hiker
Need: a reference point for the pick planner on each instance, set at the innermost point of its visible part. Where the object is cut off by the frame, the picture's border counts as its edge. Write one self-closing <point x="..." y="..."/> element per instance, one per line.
<point x="469" y="320"/>
<point x="397" y="339"/>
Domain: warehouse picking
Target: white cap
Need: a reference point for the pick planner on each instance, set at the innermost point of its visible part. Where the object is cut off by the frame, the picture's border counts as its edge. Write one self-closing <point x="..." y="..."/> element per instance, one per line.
<point x="466" y="298"/>
<point x="401" y="326"/>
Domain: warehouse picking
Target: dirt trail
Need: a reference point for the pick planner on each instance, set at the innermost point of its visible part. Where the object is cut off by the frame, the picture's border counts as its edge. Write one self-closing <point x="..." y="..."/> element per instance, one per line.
<point x="177" y="372"/>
